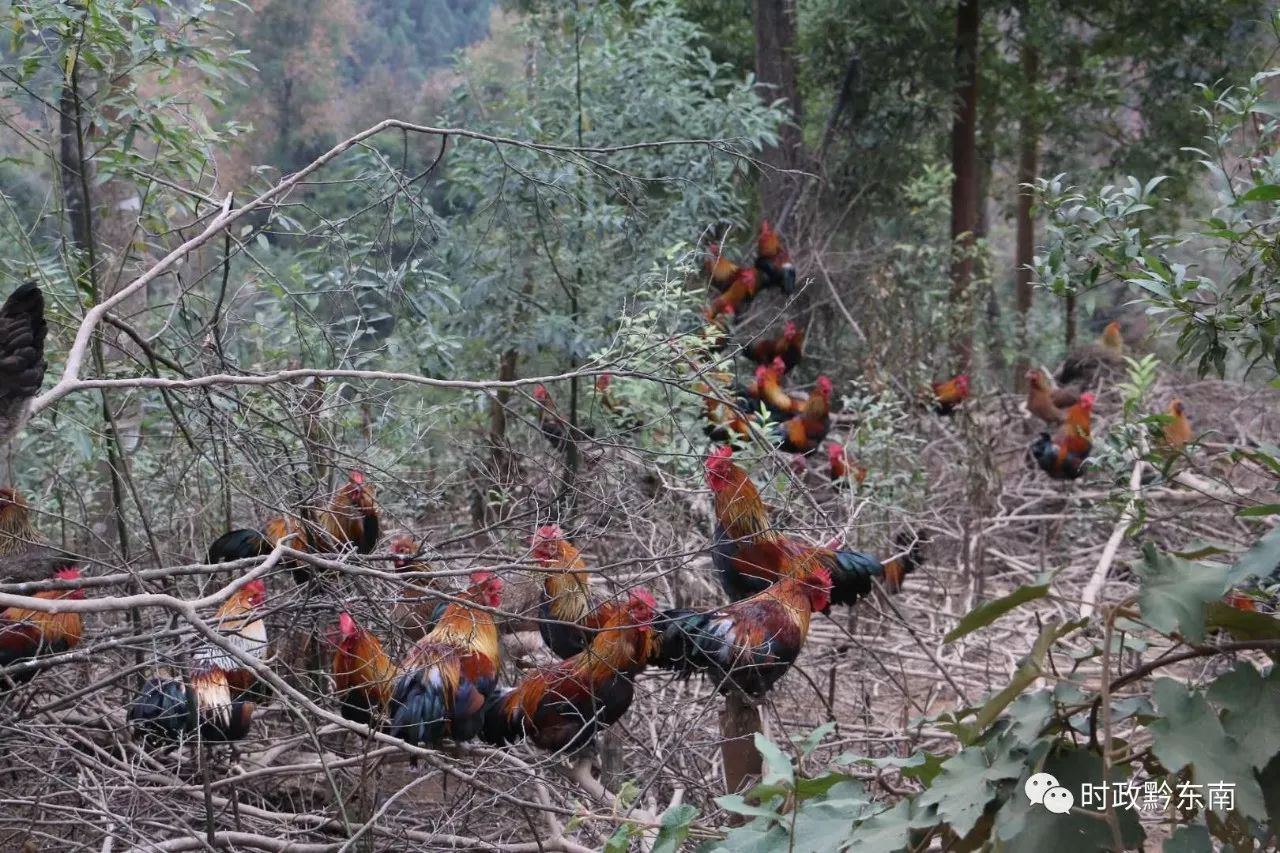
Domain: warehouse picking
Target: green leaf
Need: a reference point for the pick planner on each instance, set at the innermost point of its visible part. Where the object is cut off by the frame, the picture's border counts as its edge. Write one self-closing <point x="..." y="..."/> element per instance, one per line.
<point x="1189" y="733"/>
<point x="1174" y="592"/>
<point x="1022" y="826"/>
<point x="1192" y="838"/>
<point x="985" y="614"/>
<point x="1251" y="710"/>
<point x="675" y="828"/>
<point x="777" y="764"/>
<point x="1259" y="510"/>
<point x="1262" y="192"/>
<point x="1259" y="561"/>
<point x="738" y="804"/>
<point x="620" y="841"/>
<point x="967" y="784"/>
<point x="886" y="832"/>
<point x="1243" y="624"/>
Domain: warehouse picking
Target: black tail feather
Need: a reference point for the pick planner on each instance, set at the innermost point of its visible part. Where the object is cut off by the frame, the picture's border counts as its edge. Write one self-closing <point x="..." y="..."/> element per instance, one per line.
<point x="238" y="545"/>
<point x="499" y="728"/>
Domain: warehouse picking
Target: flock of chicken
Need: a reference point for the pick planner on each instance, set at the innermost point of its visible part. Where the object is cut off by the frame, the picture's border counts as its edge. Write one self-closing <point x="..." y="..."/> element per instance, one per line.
<point x="447" y="686"/>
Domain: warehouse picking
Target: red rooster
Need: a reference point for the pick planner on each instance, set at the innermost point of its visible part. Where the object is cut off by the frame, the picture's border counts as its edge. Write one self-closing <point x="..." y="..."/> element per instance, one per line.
<point x="351" y="518"/>
<point x="750" y="555"/>
<point x="1063" y="456"/>
<point x="773" y="261"/>
<point x="560" y="708"/>
<point x="26" y="634"/>
<point x="441" y="685"/>
<point x="570" y="616"/>
<point x="720" y="270"/>
<point x="217" y="703"/>
<point x="767" y="388"/>
<point x="805" y="432"/>
<point x="948" y="395"/>
<point x="554" y="427"/>
<point x="789" y="347"/>
<point x="362" y="673"/>
<point x="746" y="646"/>
<point x="736" y="297"/>
<point x="842" y="467"/>
<point x="1046" y="403"/>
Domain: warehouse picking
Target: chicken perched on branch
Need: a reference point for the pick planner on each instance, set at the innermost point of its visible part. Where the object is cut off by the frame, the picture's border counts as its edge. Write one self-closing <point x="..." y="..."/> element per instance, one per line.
<point x="22" y="365"/>
<point x="750" y="555"/>
<point x="570" y="616"/>
<point x="1048" y="404"/>
<point x="362" y="674"/>
<point x="773" y="261"/>
<point x="1087" y="365"/>
<point x="843" y="469"/>
<point x="736" y="297"/>
<point x="746" y="646"/>
<point x="218" y="703"/>
<point x="554" y="427"/>
<point x="441" y="685"/>
<point x="720" y="270"/>
<point x="789" y="347"/>
<point x="948" y="395"/>
<point x="351" y="518"/>
<point x="27" y="634"/>
<point x="767" y="389"/>
<point x="560" y="708"/>
<point x="1063" y="455"/>
<point x="25" y="554"/>
<point x="805" y="432"/>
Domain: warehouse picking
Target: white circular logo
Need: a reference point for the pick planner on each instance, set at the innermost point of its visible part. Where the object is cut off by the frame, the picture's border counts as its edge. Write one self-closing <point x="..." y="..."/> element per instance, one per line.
<point x="1038" y="785"/>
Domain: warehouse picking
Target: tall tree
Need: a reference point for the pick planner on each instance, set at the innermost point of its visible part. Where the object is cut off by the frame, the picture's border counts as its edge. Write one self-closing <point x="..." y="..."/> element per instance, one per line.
<point x="964" y="184"/>
<point x="1028" y="157"/>
<point x="775" y="30"/>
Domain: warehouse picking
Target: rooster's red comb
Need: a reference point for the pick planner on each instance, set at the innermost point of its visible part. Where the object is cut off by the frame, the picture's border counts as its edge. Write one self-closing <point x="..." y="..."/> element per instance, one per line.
<point x="824" y="386"/>
<point x="254" y="587"/>
<point x="346" y="624"/>
<point x="540" y="392"/>
<point x="778" y="364"/>
<point x="356" y="478"/>
<point x="603" y="380"/>
<point x="643" y="596"/>
<point x="1086" y="401"/>
<point x="485" y="577"/>
<point x="790" y="328"/>
<point x="722" y="452"/>
<point x="548" y="533"/>
<point x="70" y="573"/>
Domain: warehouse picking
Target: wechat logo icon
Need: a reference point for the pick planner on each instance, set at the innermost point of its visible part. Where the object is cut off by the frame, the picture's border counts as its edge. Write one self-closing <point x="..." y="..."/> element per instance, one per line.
<point x="1043" y="789"/>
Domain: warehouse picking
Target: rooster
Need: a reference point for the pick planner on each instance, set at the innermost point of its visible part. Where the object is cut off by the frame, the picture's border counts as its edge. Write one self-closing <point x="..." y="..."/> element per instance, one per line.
<point x="748" y="645"/>
<point x="1049" y="405"/>
<point x="720" y="270"/>
<point x="773" y="261"/>
<point x="1063" y="455"/>
<point x="789" y="347"/>
<point x="750" y="555"/>
<point x="25" y="554"/>
<point x="767" y="388"/>
<point x="805" y="432"/>
<point x="218" y="702"/>
<point x="569" y="615"/>
<point x="1176" y="434"/>
<point x="736" y="297"/>
<point x="417" y="611"/>
<point x="441" y="685"/>
<point x="842" y="467"/>
<point x="560" y="708"/>
<point x="26" y="634"/>
<point x="362" y="673"/>
<point x="22" y="365"/>
<point x="948" y="395"/>
<point x="554" y="428"/>
<point x="352" y="517"/>
<point x="1085" y="366"/>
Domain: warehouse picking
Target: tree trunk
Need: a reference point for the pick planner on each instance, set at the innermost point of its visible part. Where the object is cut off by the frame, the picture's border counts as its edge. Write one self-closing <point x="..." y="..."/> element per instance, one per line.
<point x="981" y="229"/>
<point x="739" y="723"/>
<point x="964" y="186"/>
<point x="1028" y="149"/>
<point x="775" y="31"/>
